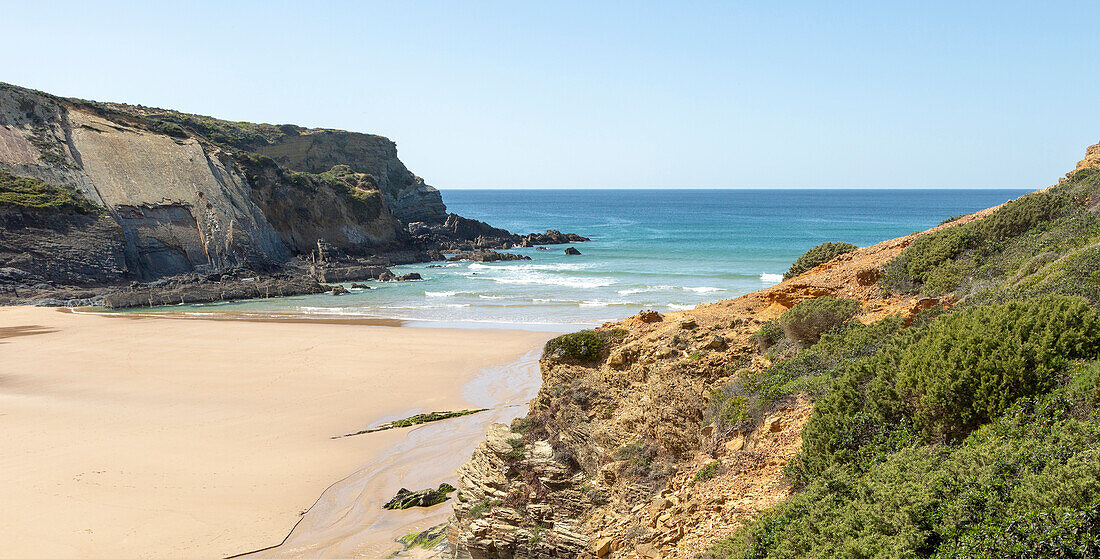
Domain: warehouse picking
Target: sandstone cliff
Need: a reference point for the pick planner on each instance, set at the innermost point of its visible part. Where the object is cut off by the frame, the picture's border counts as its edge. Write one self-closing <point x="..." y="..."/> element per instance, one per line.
<point x="185" y="194"/>
<point x="181" y="201"/>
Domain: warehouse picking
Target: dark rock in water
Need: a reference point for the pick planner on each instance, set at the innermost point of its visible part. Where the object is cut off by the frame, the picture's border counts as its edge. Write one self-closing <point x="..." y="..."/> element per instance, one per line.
<point x="360" y="286"/>
<point x="423" y="498"/>
<point x="487" y="256"/>
<point x="554" y="237"/>
<point x="333" y="274"/>
<point x="435" y="265"/>
<point x="541" y="248"/>
<point x="572" y="251"/>
<point x="409" y="277"/>
<point x="339" y="290"/>
<point x="387" y="276"/>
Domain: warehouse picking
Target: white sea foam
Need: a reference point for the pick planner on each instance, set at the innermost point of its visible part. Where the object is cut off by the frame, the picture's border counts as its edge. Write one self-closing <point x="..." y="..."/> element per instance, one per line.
<point x="491" y="297"/>
<point x="771" y="278"/>
<point x="440" y="293"/>
<point x="646" y="289"/>
<point x="594" y="304"/>
<point x="679" y="307"/>
<point x="536" y="278"/>
<point x="704" y="289"/>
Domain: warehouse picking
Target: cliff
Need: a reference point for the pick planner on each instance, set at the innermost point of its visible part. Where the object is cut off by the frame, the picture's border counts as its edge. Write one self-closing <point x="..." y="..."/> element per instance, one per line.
<point x="174" y="194"/>
<point x="668" y="435"/>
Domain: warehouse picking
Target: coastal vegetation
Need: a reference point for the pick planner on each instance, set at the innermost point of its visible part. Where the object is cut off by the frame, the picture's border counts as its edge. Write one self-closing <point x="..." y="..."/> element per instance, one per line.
<point x="417" y="419"/>
<point x="31" y="193"/>
<point x="585" y="345"/>
<point x="807" y="321"/>
<point x="970" y="430"/>
<point x="817" y="256"/>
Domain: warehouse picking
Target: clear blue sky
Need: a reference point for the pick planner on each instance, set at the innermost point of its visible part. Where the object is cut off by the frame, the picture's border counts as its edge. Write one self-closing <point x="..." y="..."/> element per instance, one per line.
<point x="611" y="94"/>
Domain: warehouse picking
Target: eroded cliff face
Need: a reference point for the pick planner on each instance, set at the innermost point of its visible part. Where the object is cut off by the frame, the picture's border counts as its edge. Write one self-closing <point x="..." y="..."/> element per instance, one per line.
<point x="1092" y="158"/>
<point x="607" y="463"/>
<point x="318" y="150"/>
<point x="182" y="200"/>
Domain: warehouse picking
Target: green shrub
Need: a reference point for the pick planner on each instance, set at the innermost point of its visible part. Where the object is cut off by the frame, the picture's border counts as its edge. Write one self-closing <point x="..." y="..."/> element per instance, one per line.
<point x="35" y="194"/>
<point x="1061" y="532"/>
<point x="817" y="256"/>
<point x="169" y="128"/>
<point x="768" y="335"/>
<point x="945" y="380"/>
<point x="728" y="410"/>
<point x="948" y="501"/>
<point x="517" y="450"/>
<point x="942" y="262"/>
<point x="806" y="321"/>
<point x="708" y="471"/>
<point x="581" y="346"/>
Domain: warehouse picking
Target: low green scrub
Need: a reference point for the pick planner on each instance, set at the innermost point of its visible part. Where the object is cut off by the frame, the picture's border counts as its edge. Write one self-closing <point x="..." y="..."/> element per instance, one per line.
<point x="738" y="404"/>
<point x="1025" y="486"/>
<point x="707" y="472"/>
<point x="817" y="256"/>
<point x="973" y="435"/>
<point x="769" y="334"/>
<point x="1001" y="250"/>
<point x="27" y="192"/>
<point x="807" y="321"/>
<point x="585" y="345"/>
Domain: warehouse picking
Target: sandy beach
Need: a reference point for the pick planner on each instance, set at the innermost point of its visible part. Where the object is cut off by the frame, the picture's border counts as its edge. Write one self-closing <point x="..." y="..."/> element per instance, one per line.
<point x="155" y="437"/>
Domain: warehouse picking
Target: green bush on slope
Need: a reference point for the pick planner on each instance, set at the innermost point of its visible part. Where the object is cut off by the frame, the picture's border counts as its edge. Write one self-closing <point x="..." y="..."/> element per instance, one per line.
<point x="817" y="256"/>
<point x="1005" y="248"/>
<point x="986" y="494"/>
<point x="947" y="436"/>
<point x="973" y="433"/>
<point x="581" y="346"/>
<point x="808" y="320"/>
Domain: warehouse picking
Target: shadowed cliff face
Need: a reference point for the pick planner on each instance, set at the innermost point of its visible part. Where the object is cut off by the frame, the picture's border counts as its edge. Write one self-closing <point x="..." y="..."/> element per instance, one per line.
<point x="200" y="196"/>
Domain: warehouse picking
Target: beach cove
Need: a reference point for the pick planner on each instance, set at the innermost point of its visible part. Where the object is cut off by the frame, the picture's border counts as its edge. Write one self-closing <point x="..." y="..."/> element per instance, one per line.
<point x="157" y="437"/>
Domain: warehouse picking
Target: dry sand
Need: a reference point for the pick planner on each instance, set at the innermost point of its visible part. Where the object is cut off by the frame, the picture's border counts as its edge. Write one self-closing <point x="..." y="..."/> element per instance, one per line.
<point x="152" y="437"/>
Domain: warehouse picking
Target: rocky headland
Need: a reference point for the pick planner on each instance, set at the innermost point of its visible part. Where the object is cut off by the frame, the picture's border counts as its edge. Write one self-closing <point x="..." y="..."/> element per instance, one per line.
<point x="662" y="435"/>
<point x="123" y="205"/>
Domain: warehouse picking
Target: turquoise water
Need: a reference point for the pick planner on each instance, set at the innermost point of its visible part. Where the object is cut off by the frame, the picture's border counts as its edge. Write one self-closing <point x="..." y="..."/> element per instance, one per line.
<point x="658" y="249"/>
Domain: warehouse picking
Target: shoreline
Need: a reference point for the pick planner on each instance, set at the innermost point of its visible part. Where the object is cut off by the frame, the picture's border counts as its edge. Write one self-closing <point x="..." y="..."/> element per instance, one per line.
<point x="157" y="438"/>
<point x="348" y="520"/>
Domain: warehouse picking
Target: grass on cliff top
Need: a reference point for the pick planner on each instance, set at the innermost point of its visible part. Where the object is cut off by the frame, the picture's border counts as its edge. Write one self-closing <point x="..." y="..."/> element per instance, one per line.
<point x="27" y="192"/>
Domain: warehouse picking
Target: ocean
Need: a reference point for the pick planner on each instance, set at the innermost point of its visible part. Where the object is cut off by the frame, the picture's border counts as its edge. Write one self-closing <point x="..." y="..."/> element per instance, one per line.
<point x="650" y="249"/>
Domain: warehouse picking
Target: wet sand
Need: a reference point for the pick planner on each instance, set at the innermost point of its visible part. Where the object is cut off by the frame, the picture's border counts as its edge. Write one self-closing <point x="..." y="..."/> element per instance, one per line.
<point x="149" y="437"/>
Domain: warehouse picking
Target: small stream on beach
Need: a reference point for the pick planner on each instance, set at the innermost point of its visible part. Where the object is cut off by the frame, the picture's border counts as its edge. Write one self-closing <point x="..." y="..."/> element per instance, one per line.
<point x="348" y="519"/>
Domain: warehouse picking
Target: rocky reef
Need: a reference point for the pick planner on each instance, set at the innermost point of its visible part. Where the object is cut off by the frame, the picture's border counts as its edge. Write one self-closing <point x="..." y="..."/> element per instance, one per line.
<point x="155" y="193"/>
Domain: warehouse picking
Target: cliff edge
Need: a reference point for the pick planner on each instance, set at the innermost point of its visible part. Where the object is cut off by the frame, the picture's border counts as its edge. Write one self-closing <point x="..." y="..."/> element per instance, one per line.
<point x="667" y="435"/>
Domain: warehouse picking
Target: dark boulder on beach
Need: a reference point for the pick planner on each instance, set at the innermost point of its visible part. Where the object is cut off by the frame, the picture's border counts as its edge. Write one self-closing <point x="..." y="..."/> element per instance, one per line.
<point x="423" y="498"/>
<point x="572" y="251"/>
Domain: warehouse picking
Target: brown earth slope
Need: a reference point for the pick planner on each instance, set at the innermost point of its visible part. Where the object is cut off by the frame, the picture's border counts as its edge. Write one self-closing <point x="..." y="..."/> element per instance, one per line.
<point x="605" y="463"/>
